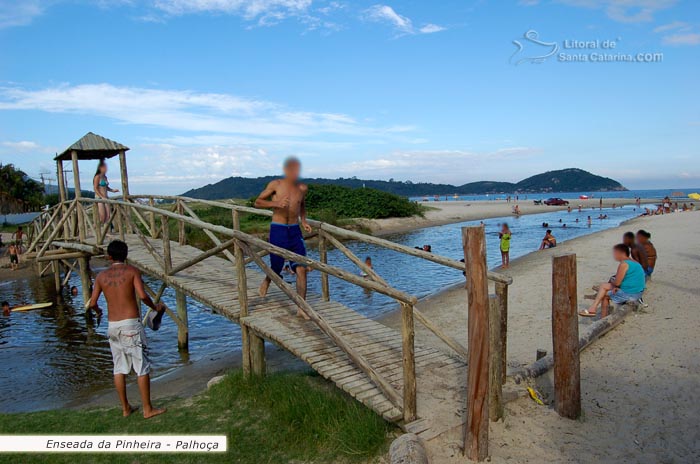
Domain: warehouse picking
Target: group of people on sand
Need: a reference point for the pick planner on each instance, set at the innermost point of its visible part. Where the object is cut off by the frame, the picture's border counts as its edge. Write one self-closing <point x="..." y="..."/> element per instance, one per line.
<point x="636" y="257"/>
<point x="667" y="207"/>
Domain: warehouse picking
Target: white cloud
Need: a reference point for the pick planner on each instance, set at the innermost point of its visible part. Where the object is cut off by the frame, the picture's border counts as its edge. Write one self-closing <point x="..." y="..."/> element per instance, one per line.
<point x="262" y="10"/>
<point x="20" y="12"/>
<point x="186" y="110"/>
<point x="401" y="24"/>
<point x="626" y="11"/>
<point x="671" y="26"/>
<point x="23" y="146"/>
<point x="682" y="39"/>
<point x="457" y="166"/>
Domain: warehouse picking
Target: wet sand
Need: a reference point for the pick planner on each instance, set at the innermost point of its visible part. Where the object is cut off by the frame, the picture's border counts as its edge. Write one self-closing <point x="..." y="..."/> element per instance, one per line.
<point x="450" y="212"/>
<point x="640" y="392"/>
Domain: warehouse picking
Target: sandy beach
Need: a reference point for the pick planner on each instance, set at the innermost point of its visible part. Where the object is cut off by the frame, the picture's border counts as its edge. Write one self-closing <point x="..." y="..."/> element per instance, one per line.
<point x="641" y="400"/>
<point x="449" y="212"/>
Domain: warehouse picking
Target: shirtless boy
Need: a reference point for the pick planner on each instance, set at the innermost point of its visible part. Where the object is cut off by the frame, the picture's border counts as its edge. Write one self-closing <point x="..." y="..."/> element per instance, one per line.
<point x="13" y="251"/>
<point x="286" y="198"/>
<point x="121" y="285"/>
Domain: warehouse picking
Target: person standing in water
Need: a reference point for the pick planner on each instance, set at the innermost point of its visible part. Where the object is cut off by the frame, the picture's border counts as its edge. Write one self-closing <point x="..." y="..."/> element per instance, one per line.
<point x="505" y="235"/>
<point x="286" y="197"/>
<point x="100" y="185"/>
<point x="122" y="285"/>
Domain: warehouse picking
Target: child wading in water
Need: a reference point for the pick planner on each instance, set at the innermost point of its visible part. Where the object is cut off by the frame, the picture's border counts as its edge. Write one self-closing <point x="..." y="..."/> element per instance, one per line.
<point x="505" y="235"/>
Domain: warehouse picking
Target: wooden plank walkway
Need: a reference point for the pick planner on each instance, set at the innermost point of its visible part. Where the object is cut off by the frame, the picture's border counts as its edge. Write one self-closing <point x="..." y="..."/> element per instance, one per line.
<point x="441" y="377"/>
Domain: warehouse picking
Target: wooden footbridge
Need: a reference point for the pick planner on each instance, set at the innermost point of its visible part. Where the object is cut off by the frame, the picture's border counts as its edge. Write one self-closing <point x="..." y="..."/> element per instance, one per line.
<point x="420" y="387"/>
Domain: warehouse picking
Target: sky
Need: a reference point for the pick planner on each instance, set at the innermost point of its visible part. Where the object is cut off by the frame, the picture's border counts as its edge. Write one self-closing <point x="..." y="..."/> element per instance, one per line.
<point x="449" y="91"/>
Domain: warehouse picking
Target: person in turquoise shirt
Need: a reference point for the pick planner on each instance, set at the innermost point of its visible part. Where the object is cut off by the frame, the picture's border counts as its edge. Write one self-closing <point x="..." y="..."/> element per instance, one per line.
<point x="627" y="286"/>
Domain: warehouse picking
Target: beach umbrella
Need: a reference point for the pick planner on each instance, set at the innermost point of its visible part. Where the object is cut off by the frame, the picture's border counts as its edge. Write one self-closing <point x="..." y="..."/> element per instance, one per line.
<point x="694" y="196"/>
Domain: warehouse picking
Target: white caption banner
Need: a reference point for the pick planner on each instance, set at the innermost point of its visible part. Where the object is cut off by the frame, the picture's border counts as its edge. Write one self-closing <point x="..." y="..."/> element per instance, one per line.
<point x="113" y="444"/>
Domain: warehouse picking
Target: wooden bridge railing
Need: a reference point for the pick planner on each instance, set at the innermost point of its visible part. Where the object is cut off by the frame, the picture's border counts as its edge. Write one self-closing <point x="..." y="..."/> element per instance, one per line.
<point x="75" y="224"/>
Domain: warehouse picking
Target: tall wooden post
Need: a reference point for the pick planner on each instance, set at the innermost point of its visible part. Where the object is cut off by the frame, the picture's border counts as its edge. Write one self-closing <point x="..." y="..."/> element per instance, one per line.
<point x="57" y="276"/>
<point x="182" y="239"/>
<point x="182" y="329"/>
<point x="125" y="189"/>
<point x="477" y="427"/>
<point x="253" y="346"/>
<point x="167" y="257"/>
<point x="242" y="283"/>
<point x="124" y="174"/>
<point x="152" y="219"/>
<point x="78" y="196"/>
<point x="496" y="360"/>
<point x="323" y="257"/>
<point x="567" y="373"/>
<point x="85" y="281"/>
<point x="409" y="363"/>
<point x="502" y="295"/>
<point x="62" y="194"/>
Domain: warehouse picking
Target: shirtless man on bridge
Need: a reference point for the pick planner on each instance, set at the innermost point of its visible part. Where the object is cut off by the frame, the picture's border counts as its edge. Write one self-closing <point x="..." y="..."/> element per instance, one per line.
<point x="286" y="198"/>
<point x="121" y="284"/>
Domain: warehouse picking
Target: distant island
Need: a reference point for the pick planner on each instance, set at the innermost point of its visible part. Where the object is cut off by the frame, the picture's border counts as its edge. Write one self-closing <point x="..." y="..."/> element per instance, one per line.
<point x="564" y="180"/>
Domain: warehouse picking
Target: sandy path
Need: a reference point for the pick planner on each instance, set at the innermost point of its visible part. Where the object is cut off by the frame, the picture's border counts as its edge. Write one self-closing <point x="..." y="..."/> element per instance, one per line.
<point x="449" y="212"/>
<point x="640" y="383"/>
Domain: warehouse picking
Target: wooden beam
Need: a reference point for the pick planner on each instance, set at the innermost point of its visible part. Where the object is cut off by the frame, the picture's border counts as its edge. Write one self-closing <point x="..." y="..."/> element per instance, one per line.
<point x="495" y="360"/>
<point x="48" y="224"/>
<point x="242" y="297"/>
<point x="152" y="219"/>
<point x="434" y="328"/>
<point x="323" y="257"/>
<point x="78" y="195"/>
<point x="85" y="281"/>
<point x="182" y="238"/>
<point x="59" y="257"/>
<point x="449" y="262"/>
<point x="183" y="329"/>
<point x="502" y="295"/>
<point x="209" y="234"/>
<point x="477" y="426"/>
<point x="57" y="229"/>
<point x="124" y="174"/>
<point x="167" y="258"/>
<point x="408" y="351"/>
<point x="201" y="257"/>
<point x="567" y="373"/>
<point x="391" y="394"/>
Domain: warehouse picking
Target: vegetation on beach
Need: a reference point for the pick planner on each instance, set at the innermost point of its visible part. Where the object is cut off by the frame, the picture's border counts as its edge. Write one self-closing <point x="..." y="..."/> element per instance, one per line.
<point x="18" y="192"/>
<point x="327" y="203"/>
<point x="283" y="417"/>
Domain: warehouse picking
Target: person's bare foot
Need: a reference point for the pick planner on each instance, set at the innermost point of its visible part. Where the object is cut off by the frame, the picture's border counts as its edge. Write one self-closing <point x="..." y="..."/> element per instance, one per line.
<point x="131" y="409"/>
<point x="301" y="313"/>
<point x="263" y="288"/>
<point x="153" y="412"/>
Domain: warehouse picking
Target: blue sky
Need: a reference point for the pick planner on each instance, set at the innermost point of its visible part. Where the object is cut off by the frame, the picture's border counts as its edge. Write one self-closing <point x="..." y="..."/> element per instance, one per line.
<point x="427" y="91"/>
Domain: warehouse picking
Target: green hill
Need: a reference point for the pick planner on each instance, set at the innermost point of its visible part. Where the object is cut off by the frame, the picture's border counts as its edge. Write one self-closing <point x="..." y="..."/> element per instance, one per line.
<point x="564" y="180"/>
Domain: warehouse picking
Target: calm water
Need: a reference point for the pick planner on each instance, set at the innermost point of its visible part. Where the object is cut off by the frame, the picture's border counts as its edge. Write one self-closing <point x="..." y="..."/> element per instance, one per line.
<point x="647" y="194"/>
<point x="51" y="357"/>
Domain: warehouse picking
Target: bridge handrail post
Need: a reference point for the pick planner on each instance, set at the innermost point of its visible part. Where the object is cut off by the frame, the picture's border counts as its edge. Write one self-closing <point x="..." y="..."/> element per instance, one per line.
<point x="409" y="363"/>
<point x="323" y="257"/>
<point x="242" y="285"/>
<point x="182" y="238"/>
<point x="167" y="257"/>
<point x="152" y="218"/>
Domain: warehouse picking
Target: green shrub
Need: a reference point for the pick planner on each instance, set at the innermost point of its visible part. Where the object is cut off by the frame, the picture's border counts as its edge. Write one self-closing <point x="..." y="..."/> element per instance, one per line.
<point x="345" y="202"/>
